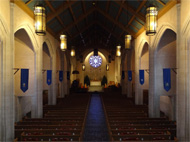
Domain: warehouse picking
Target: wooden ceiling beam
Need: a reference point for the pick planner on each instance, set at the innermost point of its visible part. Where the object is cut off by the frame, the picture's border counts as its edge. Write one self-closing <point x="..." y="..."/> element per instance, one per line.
<point x="117" y="17"/>
<point x="58" y="18"/>
<point x="82" y="30"/>
<point x="28" y="2"/>
<point x="120" y="9"/>
<point x="133" y="17"/>
<point x="59" y="10"/>
<point x="107" y="8"/>
<point x="109" y="31"/>
<point x="84" y="10"/>
<point x="73" y="16"/>
<point x="167" y="7"/>
<point x="25" y="8"/>
<point x="138" y="22"/>
<point x="131" y="10"/>
<point x="162" y="3"/>
<point x="77" y="21"/>
<point x="115" y="22"/>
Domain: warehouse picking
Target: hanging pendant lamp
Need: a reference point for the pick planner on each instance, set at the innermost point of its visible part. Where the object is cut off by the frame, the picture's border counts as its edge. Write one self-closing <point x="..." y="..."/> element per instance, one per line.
<point x="40" y="19"/>
<point x="63" y="44"/>
<point x="151" y="20"/>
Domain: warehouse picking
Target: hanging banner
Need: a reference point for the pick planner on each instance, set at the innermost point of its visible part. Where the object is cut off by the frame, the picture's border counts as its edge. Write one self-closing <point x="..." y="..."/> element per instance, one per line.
<point x="49" y="76"/>
<point x="123" y="74"/>
<point x="68" y="75"/>
<point x="141" y="76"/>
<point x="24" y="79"/>
<point x="130" y="75"/>
<point x="61" y="76"/>
<point x="167" y="79"/>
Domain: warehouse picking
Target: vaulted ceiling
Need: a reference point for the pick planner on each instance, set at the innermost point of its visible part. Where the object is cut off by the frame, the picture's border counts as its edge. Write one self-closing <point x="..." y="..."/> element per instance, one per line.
<point x="96" y="23"/>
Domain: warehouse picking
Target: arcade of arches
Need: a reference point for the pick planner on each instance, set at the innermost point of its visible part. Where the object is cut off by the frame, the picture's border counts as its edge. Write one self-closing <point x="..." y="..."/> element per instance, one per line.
<point x="21" y="48"/>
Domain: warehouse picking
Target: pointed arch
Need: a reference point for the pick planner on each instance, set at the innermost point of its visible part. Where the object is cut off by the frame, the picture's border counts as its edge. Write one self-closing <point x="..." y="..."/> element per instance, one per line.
<point x="31" y="34"/>
<point x="160" y="33"/>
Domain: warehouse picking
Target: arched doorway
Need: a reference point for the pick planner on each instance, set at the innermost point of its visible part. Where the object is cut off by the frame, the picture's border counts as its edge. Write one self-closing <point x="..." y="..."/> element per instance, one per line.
<point x="24" y="58"/>
<point x="144" y="65"/>
<point x="166" y="58"/>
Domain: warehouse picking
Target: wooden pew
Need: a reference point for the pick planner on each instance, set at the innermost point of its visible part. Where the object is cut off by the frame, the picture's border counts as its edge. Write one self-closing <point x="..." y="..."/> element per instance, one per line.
<point x="25" y="137"/>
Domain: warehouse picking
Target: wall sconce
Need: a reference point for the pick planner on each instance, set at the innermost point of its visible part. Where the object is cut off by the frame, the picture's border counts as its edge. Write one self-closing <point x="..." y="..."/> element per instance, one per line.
<point x="83" y="67"/>
<point x="72" y="52"/>
<point x="40" y="19"/>
<point x="107" y="67"/>
<point x="118" y="52"/>
<point x="63" y="44"/>
<point x="151" y="20"/>
<point x="127" y="41"/>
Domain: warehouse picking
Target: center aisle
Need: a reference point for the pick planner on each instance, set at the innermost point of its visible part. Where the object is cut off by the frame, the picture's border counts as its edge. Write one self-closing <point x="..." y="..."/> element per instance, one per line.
<point x="95" y="127"/>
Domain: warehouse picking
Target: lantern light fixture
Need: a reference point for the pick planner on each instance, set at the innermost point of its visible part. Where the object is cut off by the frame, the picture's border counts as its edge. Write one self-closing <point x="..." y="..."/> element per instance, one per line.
<point x="83" y="67"/>
<point x="118" y="51"/>
<point x="63" y="44"/>
<point x="151" y="20"/>
<point x="128" y="41"/>
<point x="72" y="51"/>
<point x="40" y="19"/>
<point x="107" y="67"/>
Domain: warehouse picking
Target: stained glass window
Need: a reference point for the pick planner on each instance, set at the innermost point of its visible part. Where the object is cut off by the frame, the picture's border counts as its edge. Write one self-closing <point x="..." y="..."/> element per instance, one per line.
<point x="95" y="61"/>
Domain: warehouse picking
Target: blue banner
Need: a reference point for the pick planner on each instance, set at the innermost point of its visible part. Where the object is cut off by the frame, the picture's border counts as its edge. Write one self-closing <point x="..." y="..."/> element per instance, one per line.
<point x="141" y="76"/>
<point x="61" y="76"/>
<point x="123" y="74"/>
<point x="130" y="75"/>
<point x="167" y="79"/>
<point x="49" y="76"/>
<point x="68" y="75"/>
<point x="24" y="79"/>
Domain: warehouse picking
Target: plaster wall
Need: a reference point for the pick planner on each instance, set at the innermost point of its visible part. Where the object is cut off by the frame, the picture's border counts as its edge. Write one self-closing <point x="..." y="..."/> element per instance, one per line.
<point x="5" y="11"/>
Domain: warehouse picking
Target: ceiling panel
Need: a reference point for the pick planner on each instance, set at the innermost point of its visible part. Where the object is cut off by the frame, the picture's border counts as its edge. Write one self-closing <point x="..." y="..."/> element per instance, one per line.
<point x="66" y="17"/>
<point x="77" y="9"/>
<point x="113" y="9"/>
<point x="81" y="25"/>
<point x="88" y="4"/>
<point x="57" y="3"/>
<point x="96" y="19"/>
<point x="55" y="25"/>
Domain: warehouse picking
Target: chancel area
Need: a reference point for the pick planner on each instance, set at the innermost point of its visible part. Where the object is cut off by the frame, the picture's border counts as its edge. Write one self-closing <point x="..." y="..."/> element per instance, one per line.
<point x="82" y="70"/>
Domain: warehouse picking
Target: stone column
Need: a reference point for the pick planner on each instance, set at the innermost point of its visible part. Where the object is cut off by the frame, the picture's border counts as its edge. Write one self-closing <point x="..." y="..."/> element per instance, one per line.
<point x="7" y="96"/>
<point x="129" y="83"/>
<point x="154" y="98"/>
<point x="118" y="70"/>
<point x="182" y="82"/>
<point x="138" y="90"/>
<point x="124" y="68"/>
<point x="53" y="85"/>
<point x="37" y="99"/>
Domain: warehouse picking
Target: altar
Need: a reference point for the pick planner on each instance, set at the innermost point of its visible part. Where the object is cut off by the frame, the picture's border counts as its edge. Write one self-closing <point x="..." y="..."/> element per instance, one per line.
<point x="95" y="83"/>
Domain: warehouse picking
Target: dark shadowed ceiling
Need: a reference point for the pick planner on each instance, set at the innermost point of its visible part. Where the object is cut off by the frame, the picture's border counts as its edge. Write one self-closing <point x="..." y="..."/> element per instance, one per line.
<point x="96" y="23"/>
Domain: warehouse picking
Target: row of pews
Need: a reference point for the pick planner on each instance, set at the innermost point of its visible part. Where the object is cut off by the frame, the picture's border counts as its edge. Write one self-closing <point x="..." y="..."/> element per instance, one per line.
<point x="129" y="122"/>
<point x="62" y="122"/>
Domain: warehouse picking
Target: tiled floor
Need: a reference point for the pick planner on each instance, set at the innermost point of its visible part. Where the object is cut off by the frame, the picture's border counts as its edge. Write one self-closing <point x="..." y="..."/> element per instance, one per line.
<point x="96" y="128"/>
